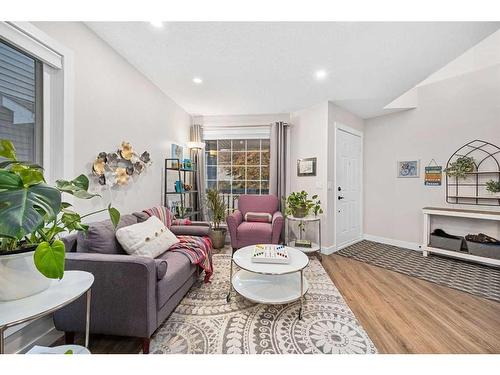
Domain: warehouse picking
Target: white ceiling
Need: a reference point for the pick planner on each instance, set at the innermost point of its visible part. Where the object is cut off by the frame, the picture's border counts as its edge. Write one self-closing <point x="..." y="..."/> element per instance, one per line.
<point x="268" y="67"/>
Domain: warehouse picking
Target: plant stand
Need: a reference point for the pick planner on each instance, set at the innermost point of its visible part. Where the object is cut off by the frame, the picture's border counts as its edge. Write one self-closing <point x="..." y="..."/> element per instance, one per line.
<point x="315" y="248"/>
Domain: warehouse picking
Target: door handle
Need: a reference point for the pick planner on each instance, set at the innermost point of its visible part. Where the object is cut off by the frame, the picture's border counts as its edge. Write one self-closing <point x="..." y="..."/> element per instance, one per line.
<point x="340" y="197"/>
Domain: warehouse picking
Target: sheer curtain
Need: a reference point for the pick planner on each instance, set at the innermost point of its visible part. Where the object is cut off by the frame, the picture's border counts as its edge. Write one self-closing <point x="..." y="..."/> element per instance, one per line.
<point x="198" y="157"/>
<point x="279" y="139"/>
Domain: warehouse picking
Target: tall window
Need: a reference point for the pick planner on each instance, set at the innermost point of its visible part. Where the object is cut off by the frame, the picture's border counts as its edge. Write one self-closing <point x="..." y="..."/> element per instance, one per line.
<point x="20" y="102"/>
<point x="238" y="166"/>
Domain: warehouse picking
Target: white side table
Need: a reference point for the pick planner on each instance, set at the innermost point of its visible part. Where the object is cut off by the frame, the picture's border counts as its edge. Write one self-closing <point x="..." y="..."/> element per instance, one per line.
<point x="61" y="293"/>
<point x="302" y="222"/>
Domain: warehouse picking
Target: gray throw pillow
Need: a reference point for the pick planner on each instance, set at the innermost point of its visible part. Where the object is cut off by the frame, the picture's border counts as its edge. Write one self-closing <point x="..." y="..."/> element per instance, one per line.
<point x="100" y="237"/>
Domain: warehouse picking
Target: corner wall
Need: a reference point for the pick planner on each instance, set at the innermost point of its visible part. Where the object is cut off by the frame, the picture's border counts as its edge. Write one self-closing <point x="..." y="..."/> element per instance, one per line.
<point x="312" y="134"/>
<point x="450" y="113"/>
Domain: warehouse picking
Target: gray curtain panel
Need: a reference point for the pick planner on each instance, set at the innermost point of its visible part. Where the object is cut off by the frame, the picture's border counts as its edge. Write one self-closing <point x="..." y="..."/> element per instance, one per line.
<point x="277" y="183"/>
<point x="198" y="157"/>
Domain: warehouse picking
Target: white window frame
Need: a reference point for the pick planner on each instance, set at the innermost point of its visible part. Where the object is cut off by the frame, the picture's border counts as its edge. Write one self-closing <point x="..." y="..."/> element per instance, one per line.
<point x="58" y="95"/>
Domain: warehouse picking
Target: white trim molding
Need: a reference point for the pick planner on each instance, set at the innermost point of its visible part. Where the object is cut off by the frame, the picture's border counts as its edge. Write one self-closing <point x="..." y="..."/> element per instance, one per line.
<point x="29" y="39"/>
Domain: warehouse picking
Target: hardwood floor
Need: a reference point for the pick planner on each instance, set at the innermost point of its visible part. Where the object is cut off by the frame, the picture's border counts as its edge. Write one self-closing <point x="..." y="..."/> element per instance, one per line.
<point x="401" y="314"/>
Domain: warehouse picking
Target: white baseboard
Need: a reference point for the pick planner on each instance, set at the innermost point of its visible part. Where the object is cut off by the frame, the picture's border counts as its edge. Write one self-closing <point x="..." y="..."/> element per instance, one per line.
<point x="327" y="250"/>
<point x="390" y="241"/>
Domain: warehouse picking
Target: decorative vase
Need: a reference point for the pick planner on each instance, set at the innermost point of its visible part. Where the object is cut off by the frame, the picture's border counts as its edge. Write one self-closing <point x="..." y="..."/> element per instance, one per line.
<point x="300" y="212"/>
<point x="218" y="237"/>
<point x="19" y="277"/>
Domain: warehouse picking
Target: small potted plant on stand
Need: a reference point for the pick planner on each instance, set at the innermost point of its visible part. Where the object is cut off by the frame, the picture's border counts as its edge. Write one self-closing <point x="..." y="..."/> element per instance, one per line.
<point x="32" y="216"/>
<point x="299" y="205"/>
<point x="217" y="211"/>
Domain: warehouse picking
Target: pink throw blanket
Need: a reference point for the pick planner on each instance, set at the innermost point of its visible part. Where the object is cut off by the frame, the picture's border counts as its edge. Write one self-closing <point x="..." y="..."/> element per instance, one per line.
<point x="198" y="250"/>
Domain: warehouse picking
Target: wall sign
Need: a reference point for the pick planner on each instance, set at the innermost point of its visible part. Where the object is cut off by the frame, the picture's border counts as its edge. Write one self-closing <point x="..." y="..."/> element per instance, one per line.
<point x="433" y="175"/>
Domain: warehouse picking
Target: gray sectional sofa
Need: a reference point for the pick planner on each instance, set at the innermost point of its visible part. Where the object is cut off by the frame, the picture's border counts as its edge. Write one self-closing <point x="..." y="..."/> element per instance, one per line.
<point x="131" y="295"/>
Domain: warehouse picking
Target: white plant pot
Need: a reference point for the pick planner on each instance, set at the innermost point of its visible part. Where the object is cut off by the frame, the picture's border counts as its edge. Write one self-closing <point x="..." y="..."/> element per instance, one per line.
<point x="19" y="277"/>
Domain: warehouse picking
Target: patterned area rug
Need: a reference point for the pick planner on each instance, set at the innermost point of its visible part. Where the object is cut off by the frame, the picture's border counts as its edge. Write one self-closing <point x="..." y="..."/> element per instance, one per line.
<point x="473" y="278"/>
<point x="205" y="323"/>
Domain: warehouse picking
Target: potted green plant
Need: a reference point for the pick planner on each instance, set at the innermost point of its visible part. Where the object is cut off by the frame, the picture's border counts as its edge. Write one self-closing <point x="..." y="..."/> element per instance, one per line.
<point x="493" y="187"/>
<point x="460" y="167"/>
<point x="32" y="217"/>
<point x="217" y="210"/>
<point x="299" y="205"/>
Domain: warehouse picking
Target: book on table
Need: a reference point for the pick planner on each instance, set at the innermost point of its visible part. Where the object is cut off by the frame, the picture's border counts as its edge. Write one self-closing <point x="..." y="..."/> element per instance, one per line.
<point x="303" y="243"/>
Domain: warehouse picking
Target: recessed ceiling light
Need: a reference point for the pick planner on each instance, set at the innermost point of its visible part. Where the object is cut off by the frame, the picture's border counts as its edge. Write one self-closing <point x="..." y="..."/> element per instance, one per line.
<point x="320" y="74"/>
<point x="197" y="80"/>
<point x="156" y="23"/>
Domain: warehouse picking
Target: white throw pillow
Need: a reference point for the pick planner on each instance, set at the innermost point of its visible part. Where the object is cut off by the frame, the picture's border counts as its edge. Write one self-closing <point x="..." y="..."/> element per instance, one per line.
<point x="148" y="239"/>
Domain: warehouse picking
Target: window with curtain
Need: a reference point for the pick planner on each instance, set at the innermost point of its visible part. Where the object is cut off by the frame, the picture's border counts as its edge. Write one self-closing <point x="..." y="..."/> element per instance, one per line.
<point x="20" y="102"/>
<point x="238" y="166"/>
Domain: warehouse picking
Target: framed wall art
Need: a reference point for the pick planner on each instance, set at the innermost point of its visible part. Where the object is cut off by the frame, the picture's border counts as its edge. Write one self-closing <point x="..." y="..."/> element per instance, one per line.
<point x="408" y="169"/>
<point x="306" y="167"/>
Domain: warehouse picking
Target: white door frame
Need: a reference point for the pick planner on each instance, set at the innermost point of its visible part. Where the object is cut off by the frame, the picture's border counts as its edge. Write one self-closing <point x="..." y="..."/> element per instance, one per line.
<point x="348" y="129"/>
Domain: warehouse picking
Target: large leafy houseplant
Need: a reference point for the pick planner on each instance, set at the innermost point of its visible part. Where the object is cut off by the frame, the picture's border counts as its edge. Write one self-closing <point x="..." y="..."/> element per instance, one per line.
<point x="299" y="205"/>
<point x="217" y="209"/>
<point x="33" y="214"/>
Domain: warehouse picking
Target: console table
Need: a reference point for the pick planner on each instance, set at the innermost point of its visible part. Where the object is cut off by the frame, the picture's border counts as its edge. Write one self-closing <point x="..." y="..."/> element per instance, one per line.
<point x="452" y="212"/>
<point x="61" y="293"/>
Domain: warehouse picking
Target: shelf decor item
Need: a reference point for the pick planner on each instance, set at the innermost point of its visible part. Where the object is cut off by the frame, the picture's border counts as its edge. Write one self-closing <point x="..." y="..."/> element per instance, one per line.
<point x="32" y="216"/>
<point x="187" y="164"/>
<point x="493" y="186"/>
<point x="299" y="205"/>
<point x="116" y="168"/>
<point x="179" y="186"/>
<point x="217" y="212"/>
<point x="176" y="155"/>
<point x="461" y="167"/>
<point x="473" y="174"/>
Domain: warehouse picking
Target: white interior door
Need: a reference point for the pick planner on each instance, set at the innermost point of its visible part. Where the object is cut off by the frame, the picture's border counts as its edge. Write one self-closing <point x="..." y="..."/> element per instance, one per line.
<point x="348" y="188"/>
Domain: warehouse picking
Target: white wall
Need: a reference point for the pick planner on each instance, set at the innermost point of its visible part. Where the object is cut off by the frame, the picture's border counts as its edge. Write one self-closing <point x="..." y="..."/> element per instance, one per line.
<point x="450" y="113"/>
<point x="113" y="103"/>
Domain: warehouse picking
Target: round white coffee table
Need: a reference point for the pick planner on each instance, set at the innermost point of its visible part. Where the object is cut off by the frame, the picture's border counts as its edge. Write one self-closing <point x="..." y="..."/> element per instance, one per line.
<point x="272" y="284"/>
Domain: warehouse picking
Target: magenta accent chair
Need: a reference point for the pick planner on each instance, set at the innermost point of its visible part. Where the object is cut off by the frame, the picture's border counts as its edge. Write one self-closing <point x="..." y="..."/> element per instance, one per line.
<point x="244" y="233"/>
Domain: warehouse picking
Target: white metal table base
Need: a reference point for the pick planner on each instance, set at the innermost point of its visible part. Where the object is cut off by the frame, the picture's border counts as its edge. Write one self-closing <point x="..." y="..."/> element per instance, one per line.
<point x="88" y="296"/>
<point x="301" y="296"/>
